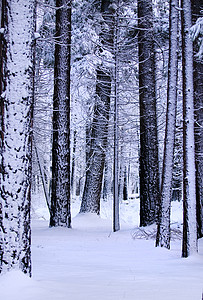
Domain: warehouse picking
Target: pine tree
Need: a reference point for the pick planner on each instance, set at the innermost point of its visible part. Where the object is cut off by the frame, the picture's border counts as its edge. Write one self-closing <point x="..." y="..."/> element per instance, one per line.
<point x="198" y="102"/>
<point x="163" y="230"/>
<point x="60" y="194"/>
<point x="43" y="101"/>
<point x="149" y="170"/>
<point x="99" y="125"/>
<point x="189" y="188"/>
<point x="116" y="223"/>
<point x="17" y="42"/>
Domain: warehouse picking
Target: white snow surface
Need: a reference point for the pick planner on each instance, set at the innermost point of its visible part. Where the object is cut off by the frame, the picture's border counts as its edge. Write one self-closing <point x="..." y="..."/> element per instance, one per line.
<point x="91" y="262"/>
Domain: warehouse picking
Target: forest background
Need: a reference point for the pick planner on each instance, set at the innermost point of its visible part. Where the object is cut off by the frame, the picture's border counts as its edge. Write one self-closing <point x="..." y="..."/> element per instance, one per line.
<point x="111" y="112"/>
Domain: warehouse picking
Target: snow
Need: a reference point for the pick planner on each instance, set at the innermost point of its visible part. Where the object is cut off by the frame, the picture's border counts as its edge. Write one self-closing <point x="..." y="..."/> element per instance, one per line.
<point x="37" y="35"/>
<point x="90" y="262"/>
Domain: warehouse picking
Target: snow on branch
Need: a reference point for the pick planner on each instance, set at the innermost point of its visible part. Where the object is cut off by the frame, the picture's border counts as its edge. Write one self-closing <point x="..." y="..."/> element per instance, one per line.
<point x="150" y="233"/>
<point x="196" y="32"/>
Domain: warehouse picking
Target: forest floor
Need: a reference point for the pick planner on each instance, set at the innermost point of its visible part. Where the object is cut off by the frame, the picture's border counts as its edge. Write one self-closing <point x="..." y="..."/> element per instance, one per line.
<point x="91" y="262"/>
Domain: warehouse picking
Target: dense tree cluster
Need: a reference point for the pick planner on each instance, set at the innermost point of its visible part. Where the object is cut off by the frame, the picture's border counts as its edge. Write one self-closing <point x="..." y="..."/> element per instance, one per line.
<point x="103" y="98"/>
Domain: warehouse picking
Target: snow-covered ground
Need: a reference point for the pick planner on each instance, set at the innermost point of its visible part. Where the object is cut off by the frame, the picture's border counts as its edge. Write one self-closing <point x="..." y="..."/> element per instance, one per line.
<point x="90" y="262"/>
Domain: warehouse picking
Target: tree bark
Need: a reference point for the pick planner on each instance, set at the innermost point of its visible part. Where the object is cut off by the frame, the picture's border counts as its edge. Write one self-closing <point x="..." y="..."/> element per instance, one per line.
<point x="163" y="230"/>
<point x="18" y="20"/>
<point x="198" y="102"/>
<point x="94" y="173"/>
<point x="99" y="126"/>
<point x="73" y="160"/>
<point x="149" y="170"/>
<point x="116" y="221"/>
<point x="189" y="188"/>
<point x="60" y="194"/>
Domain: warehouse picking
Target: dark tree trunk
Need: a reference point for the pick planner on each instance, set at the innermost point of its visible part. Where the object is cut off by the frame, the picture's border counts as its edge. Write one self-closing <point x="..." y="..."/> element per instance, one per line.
<point x="73" y="160"/>
<point x="149" y="170"/>
<point x="99" y="126"/>
<point x="125" y="185"/>
<point x="94" y="173"/>
<point x="60" y="194"/>
<point x="198" y="101"/>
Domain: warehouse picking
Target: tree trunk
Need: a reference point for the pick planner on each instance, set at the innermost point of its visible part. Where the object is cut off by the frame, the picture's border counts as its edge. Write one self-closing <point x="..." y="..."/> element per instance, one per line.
<point x="163" y="230"/>
<point x="125" y="185"/>
<point x="189" y="188"/>
<point x="60" y="194"/>
<point x="116" y="222"/>
<point x="2" y="88"/>
<point x="99" y="126"/>
<point x="16" y="128"/>
<point x="94" y="173"/>
<point x="198" y="102"/>
<point x="149" y="170"/>
<point x="73" y="161"/>
<point x="107" y="180"/>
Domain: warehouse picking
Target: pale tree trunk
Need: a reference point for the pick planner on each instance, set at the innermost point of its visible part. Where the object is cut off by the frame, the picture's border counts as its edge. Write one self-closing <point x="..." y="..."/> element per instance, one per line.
<point x="116" y="221"/>
<point x="2" y="84"/>
<point x="163" y="230"/>
<point x="198" y="102"/>
<point x="99" y="127"/>
<point x="107" y="182"/>
<point x="60" y="193"/>
<point x="121" y="171"/>
<point x="149" y="169"/>
<point x="16" y="127"/>
<point x="189" y="188"/>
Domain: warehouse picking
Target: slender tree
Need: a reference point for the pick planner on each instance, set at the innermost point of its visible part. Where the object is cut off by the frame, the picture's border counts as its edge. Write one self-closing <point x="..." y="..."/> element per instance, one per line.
<point x="116" y="223"/>
<point x="73" y="159"/>
<point x="2" y="87"/>
<point x="42" y="116"/>
<point x="17" y="41"/>
<point x="163" y="230"/>
<point x="149" y="170"/>
<point x="99" y="127"/>
<point x="60" y="194"/>
<point x="198" y="102"/>
<point x="189" y="188"/>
